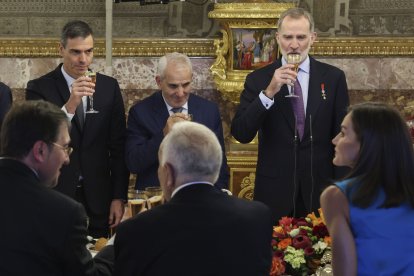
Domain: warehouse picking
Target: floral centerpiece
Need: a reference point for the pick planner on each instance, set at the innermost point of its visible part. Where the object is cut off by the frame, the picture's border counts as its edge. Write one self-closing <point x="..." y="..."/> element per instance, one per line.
<point x="298" y="245"/>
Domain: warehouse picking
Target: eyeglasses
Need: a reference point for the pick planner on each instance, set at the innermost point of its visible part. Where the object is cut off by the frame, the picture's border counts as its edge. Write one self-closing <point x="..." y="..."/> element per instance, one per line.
<point x="67" y="149"/>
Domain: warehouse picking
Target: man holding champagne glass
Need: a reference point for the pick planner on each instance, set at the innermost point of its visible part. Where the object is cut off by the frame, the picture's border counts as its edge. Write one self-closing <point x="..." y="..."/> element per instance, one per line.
<point x="152" y="118"/>
<point x="296" y="113"/>
<point x="97" y="175"/>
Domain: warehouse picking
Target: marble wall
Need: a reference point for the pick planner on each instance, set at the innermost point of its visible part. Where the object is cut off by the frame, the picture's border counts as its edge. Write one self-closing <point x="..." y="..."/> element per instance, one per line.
<point x="369" y="79"/>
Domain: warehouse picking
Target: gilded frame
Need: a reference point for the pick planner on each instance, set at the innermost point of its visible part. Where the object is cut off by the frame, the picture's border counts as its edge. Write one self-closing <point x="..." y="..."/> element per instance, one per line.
<point x="324" y="47"/>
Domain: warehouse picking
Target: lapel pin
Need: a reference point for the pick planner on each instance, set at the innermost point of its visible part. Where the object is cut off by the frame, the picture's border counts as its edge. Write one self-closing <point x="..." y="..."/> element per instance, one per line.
<point x="323" y="91"/>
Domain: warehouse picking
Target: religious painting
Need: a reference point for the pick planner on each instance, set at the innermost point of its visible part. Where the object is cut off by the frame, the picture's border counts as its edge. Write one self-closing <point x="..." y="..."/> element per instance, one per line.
<point x="253" y="48"/>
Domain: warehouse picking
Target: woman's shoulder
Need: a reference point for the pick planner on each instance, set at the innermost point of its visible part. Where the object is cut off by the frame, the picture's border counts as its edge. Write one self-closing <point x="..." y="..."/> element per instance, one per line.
<point x="343" y="185"/>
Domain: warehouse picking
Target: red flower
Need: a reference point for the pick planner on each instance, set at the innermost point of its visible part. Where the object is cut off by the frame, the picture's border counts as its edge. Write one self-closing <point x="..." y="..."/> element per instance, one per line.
<point x="320" y="231"/>
<point x="300" y="222"/>
<point x="301" y="241"/>
<point x="309" y="251"/>
<point x="303" y="232"/>
<point x="285" y="221"/>
<point x="279" y="254"/>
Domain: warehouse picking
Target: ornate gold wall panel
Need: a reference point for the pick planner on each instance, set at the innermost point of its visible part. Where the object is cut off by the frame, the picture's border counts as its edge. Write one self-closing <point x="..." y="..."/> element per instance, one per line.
<point x="326" y="47"/>
<point x="242" y="173"/>
<point x="48" y="47"/>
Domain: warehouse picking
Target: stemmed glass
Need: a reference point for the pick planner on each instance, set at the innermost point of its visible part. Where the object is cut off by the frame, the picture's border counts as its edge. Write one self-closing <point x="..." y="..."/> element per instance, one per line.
<point x="295" y="60"/>
<point x="91" y="75"/>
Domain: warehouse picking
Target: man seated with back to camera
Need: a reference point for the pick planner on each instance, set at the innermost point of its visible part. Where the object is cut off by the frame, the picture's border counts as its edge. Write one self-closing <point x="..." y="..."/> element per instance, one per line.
<point x="44" y="231"/>
<point x="198" y="229"/>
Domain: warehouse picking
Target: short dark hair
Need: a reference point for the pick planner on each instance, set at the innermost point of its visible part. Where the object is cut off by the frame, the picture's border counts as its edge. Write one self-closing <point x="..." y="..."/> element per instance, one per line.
<point x="29" y="122"/>
<point x="386" y="157"/>
<point x="74" y="29"/>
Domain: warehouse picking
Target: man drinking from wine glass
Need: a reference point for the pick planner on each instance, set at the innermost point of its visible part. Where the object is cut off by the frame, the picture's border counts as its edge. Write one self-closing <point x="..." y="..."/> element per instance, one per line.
<point x="295" y="152"/>
<point x="97" y="175"/>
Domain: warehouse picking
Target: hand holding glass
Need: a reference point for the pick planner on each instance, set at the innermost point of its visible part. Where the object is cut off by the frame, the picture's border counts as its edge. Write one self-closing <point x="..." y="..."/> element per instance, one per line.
<point x="92" y="76"/>
<point x="295" y="60"/>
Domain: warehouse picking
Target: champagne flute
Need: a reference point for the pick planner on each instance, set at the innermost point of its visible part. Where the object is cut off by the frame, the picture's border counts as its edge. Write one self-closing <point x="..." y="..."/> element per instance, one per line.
<point x="91" y="75"/>
<point x="295" y="60"/>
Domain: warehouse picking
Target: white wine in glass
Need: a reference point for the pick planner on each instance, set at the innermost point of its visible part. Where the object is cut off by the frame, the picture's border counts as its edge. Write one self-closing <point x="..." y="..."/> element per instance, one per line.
<point x="295" y="60"/>
<point x="91" y="75"/>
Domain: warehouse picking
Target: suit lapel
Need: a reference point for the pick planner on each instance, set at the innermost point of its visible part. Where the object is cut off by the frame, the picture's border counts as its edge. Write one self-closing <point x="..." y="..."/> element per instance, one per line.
<point x="160" y="110"/>
<point x="193" y="108"/>
<point x="314" y="93"/>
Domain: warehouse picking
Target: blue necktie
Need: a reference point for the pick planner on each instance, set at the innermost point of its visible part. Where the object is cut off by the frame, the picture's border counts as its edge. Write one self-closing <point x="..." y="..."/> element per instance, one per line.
<point x="176" y="109"/>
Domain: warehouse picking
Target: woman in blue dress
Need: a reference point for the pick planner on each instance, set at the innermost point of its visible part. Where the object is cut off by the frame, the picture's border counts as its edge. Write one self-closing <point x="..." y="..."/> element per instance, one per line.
<point x="370" y="214"/>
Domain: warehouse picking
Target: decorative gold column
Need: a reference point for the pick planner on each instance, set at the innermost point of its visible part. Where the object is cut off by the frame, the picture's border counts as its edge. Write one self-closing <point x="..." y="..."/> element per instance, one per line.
<point x="238" y="20"/>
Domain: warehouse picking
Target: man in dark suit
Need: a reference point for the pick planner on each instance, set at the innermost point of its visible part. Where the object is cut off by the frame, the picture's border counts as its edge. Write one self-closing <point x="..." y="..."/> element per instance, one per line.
<point x="200" y="230"/>
<point x="295" y="133"/>
<point x="150" y="119"/>
<point x="44" y="232"/>
<point x="6" y="100"/>
<point x="97" y="175"/>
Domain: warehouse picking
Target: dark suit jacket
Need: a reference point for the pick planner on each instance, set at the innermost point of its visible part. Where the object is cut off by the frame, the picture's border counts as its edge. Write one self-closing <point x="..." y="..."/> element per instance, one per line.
<point x="201" y="231"/>
<point x="44" y="232"/>
<point x="146" y="121"/>
<point x="6" y="101"/>
<point x="276" y="126"/>
<point x="98" y="153"/>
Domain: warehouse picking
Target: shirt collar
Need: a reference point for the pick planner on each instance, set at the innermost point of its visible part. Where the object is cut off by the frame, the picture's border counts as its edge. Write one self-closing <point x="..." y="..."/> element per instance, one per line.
<point x="189" y="184"/>
<point x="69" y="79"/>
<point x="185" y="106"/>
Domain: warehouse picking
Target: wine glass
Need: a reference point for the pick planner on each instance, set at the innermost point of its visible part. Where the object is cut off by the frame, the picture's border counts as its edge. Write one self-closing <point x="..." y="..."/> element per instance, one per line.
<point x="295" y="60"/>
<point x="138" y="202"/>
<point x="155" y="197"/>
<point x="91" y="75"/>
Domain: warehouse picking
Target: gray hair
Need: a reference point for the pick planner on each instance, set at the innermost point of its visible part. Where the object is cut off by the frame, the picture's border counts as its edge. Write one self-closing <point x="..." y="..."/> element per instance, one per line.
<point x="296" y="13"/>
<point x="74" y="29"/>
<point x="194" y="151"/>
<point x="172" y="58"/>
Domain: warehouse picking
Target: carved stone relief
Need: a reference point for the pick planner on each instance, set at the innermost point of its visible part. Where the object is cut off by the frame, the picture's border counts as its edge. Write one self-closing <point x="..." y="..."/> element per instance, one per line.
<point x="188" y="19"/>
<point x="45" y="18"/>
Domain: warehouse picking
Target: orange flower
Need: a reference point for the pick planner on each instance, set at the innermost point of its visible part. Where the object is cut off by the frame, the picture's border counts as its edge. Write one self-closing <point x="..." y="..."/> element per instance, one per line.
<point x="278" y="229"/>
<point x="315" y="220"/>
<point x="328" y="240"/>
<point x="321" y="215"/>
<point x="283" y="244"/>
<point x="278" y="267"/>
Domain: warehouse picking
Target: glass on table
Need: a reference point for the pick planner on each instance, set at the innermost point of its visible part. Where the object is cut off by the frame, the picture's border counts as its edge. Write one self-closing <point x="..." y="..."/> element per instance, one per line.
<point x="137" y="202"/>
<point x="155" y="197"/>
